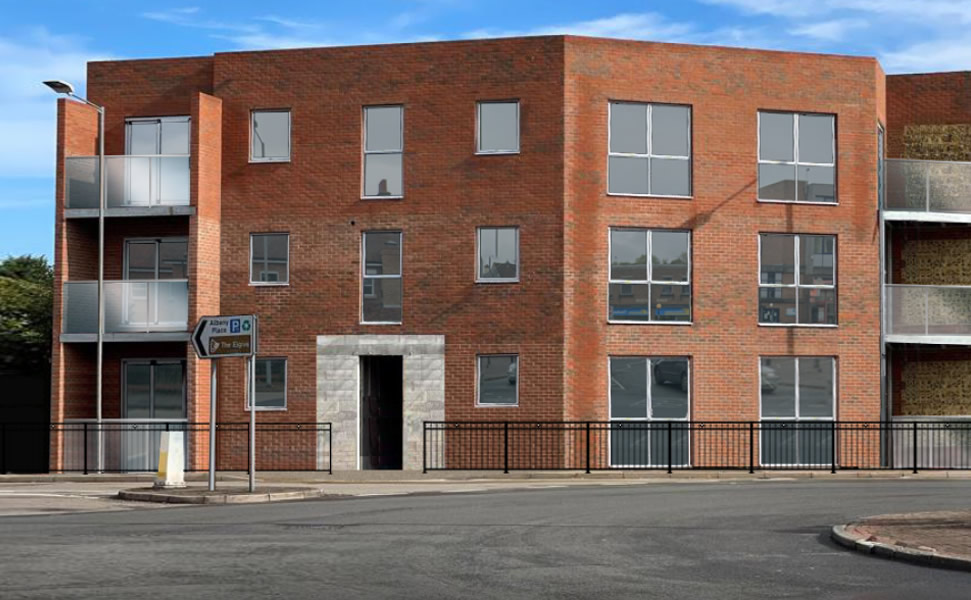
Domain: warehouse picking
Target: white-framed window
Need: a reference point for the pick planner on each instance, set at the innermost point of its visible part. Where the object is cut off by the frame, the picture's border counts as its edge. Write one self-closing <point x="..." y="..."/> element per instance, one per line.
<point x="497" y="127"/>
<point x="497" y="380"/>
<point x="498" y="255"/>
<point x="797" y="157"/>
<point x="383" y="150"/>
<point x="646" y="394"/>
<point x="381" y="277"/>
<point x="797" y="279"/>
<point x="797" y="405"/>
<point x="269" y="259"/>
<point x="650" y="276"/>
<point x="271" y="384"/>
<point x="270" y="135"/>
<point x="649" y="149"/>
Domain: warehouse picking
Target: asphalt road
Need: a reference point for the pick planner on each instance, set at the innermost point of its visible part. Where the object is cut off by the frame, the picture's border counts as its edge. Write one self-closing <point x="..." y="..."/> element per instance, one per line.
<point x="700" y="540"/>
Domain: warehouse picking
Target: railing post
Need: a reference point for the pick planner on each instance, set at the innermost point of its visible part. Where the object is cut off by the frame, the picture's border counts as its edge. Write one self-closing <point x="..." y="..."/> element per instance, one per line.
<point x="3" y="447"/>
<point x="670" y="448"/>
<point x="424" y="447"/>
<point x="85" y="448"/>
<point x="588" y="447"/>
<point x="832" y="449"/>
<point x="330" y="448"/>
<point x="915" y="447"/>
<point x="505" y="447"/>
<point x="751" y="447"/>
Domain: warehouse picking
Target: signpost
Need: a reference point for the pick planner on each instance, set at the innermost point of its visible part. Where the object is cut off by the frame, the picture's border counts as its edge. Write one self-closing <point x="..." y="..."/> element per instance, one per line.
<point x="225" y="337"/>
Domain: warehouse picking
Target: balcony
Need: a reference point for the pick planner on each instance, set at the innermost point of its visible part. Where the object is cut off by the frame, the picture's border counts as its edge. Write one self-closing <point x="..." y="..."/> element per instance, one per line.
<point x="152" y="310"/>
<point x="928" y="314"/>
<point x="135" y="186"/>
<point x="928" y="190"/>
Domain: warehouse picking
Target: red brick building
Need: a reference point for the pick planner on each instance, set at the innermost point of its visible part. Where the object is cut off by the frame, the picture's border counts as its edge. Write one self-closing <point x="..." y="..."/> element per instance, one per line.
<point x="533" y="229"/>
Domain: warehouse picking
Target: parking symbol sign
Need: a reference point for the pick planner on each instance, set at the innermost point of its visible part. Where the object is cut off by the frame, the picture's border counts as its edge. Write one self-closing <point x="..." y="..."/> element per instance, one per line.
<point x="234" y="326"/>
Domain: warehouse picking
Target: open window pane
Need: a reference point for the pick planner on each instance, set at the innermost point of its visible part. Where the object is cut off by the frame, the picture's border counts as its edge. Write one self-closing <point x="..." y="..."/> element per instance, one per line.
<point x="778" y="387"/>
<point x="498" y="379"/>
<point x="628" y="128"/>
<point x="628" y="388"/>
<point x="776" y="136"/>
<point x="499" y="253"/>
<point x="383" y="131"/>
<point x="270" y="135"/>
<point x="670" y="130"/>
<point x="628" y="254"/>
<point x="498" y="127"/>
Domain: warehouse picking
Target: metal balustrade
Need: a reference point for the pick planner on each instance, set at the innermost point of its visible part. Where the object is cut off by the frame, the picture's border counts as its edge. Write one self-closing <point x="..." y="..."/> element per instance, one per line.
<point x="930" y="313"/>
<point x="144" y="306"/>
<point x="928" y="186"/>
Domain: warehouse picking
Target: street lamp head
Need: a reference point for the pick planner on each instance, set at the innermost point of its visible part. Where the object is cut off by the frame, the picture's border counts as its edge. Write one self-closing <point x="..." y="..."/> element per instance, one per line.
<point x="61" y="87"/>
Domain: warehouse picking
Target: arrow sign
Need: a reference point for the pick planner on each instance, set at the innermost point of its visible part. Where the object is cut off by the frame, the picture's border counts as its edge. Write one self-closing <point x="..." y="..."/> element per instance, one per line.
<point x="225" y="336"/>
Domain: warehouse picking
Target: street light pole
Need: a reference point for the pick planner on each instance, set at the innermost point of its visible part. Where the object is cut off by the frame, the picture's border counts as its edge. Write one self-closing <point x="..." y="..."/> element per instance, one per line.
<point x="62" y="87"/>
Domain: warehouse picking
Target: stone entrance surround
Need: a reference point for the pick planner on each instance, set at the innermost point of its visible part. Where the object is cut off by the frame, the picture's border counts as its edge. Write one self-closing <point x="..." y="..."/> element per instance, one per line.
<point x="339" y="391"/>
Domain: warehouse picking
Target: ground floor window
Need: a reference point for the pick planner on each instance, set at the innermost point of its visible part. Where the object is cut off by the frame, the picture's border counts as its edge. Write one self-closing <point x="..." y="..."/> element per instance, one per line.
<point x="153" y="389"/>
<point x="271" y="384"/>
<point x="649" y="411"/>
<point x="498" y="380"/>
<point x="798" y="407"/>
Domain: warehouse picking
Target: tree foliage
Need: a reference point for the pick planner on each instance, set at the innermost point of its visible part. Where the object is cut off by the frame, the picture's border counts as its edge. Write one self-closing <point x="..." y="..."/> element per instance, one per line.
<point x="26" y="306"/>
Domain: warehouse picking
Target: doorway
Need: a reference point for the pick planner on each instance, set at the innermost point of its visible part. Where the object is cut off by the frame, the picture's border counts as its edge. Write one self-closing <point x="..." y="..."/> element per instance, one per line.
<point x="381" y="412"/>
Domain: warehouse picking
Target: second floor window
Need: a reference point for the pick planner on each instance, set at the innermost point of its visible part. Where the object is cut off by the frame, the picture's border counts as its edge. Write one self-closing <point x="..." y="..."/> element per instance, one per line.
<point x="270" y="136"/>
<point x="381" y="283"/>
<point x="649" y="149"/>
<point x="498" y="254"/>
<point x="797" y="157"/>
<point x="497" y="127"/>
<point x="650" y="275"/>
<point x="797" y="279"/>
<point x="269" y="259"/>
<point x="383" y="148"/>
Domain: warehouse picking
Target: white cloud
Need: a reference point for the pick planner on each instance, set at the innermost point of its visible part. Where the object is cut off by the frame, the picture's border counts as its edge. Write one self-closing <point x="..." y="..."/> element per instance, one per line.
<point x="27" y="108"/>
<point x="627" y="26"/>
<point x="937" y="55"/>
<point x="834" y="30"/>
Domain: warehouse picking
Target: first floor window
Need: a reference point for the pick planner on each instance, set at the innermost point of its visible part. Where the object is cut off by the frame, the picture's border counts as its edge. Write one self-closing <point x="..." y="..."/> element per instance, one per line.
<point x="269" y="259"/>
<point x="650" y="275"/>
<point x="797" y="279"/>
<point x="798" y="407"/>
<point x="498" y="379"/>
<point x="498" y="127"/>
<point x="797" y="157"/>
<point x="270" y="135"/>
<point x="271" y="384"/>
<point x="649" y="410"/>
<point x="383" y="149"/>
<point x="649" y="152"/>
<point x="381" y="277"/>
<point x="498" y="254"/>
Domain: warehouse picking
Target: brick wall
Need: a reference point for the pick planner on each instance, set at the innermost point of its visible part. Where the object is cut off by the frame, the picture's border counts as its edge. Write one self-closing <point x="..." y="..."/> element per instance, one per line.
<point x="925" y="99"/>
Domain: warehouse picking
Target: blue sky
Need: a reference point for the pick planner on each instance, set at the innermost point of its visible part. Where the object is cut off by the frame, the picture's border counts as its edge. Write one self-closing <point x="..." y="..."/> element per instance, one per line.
<point x="54" y="39"/>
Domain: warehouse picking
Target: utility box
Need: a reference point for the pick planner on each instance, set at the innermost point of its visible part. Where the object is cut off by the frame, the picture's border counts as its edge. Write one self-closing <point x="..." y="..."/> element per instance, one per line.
<point x="171" y="460"/>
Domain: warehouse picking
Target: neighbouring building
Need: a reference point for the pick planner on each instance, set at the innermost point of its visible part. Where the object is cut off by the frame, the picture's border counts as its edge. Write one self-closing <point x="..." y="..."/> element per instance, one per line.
<point x="532" y="229"/>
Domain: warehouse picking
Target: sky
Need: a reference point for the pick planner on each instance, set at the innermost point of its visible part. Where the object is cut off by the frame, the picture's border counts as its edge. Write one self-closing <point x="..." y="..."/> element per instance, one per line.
<point x="53" y="39"/>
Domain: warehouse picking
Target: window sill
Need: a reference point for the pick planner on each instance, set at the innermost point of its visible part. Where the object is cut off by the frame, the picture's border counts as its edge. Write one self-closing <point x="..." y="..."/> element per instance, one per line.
<point x="806" y="325"/>
<point x="496" y="152"/>
<point x="259" y="410"/>
<point x="380" y="323"/>
<point x="382" y="197"/>
<point x="761" y="201"/>
<point x="477" y="405"/>
<point x="268" y="284"/>
<point x="488" y="281"/>
<point x="269" y="161"/>
<point x="678" y="323"/>
<point x="657" y="196"/>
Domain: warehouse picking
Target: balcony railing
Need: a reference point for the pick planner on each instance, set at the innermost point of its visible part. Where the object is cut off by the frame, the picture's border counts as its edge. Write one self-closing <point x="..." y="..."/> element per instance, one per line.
<point x="940" y="313"/>
<point x="928" y="186"/>
<point x="131" y="181"/>
<point x="130" y="306"/>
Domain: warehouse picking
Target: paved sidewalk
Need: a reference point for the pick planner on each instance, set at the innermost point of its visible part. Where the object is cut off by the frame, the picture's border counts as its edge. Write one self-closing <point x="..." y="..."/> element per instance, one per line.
<point x="941" y="539"/>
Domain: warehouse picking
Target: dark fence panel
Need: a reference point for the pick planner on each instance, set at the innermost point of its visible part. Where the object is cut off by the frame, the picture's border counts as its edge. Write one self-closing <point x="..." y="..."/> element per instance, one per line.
<point x="672" y="445"/>
<point x="133" y="446"/>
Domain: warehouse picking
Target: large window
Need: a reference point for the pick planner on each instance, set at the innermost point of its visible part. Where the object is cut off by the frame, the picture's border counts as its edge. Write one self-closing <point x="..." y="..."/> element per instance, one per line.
<point x="269" y="259"/>
<point x="797" y="157"/>
<point x="798" y="406"/>
<point x="383" y="147"/>
<point x="271" y="384"/>
<point x="797" y="279"/>
<point x="650" y="276"/>
<point x="497" y="131"/>
<point x="498" y="379"/>
<point x="646" y="394"/>
<point x="153" y="389"/>
<point x="649" y="149"/>
<point x="381" y="285"/>
<point x="498" y="249"/>
<point x="270" y="136"/>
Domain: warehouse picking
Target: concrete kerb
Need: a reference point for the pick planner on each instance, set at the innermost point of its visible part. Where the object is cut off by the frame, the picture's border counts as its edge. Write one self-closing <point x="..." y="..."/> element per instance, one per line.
<point x="849" y="537"/>
<point x="204" y="496"/>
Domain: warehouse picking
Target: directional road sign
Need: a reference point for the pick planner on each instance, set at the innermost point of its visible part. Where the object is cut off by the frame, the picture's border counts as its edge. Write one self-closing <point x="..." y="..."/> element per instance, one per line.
<point x="221" y="337"/>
